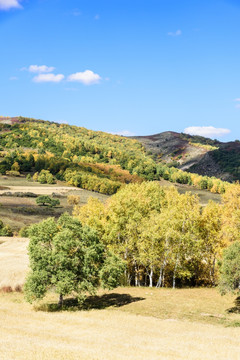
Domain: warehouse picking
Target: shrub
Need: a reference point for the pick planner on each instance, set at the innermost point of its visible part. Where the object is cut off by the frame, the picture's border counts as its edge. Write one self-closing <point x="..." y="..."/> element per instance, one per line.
<point x="73" y="199"/>
<point x="6" y="289"/>
<point x="18" y="288"/>
<point x="23" y="232"/>
<point x="13" y="173"/>
<point x="6" y="231"/>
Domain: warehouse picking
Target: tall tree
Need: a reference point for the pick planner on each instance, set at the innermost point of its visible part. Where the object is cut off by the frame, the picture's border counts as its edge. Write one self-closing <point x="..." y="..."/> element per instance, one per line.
<point x="69" y="258"/>
<point x="230" y="269"/>
<point x="212" y="241"/>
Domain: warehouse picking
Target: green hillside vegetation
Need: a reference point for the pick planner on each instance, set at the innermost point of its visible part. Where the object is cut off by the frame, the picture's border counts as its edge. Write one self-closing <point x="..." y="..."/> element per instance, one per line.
<point x="229" y="160"/>
<point x="88" y="159"/>
<point x="196" y="139"/>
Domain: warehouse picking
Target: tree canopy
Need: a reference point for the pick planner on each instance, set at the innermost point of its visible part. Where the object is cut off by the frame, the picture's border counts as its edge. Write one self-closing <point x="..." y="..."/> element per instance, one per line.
<point x="68" y="258"/>
<point x="165" y="238"/>
<point x="230" y="269"/>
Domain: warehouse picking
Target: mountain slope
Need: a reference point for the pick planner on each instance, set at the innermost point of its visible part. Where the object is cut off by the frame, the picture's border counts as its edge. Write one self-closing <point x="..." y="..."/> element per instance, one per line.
<point x="196" y="154"/>
<point x="94" y="160"/>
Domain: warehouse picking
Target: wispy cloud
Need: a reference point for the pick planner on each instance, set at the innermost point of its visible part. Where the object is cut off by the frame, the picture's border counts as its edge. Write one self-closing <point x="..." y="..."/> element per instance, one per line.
<point x="13" y="78"/>
<point x="48" y="78"/>
<point x="10" y="4"/>
<point x="176" y="33"/>
<point x="39" y="69"/>
<point x="86" y="77"/>
<point x="97" y="17"/>
<point x="76" y="12"/>
<point x="207" y="131"/>
<point x="238" y="101"/>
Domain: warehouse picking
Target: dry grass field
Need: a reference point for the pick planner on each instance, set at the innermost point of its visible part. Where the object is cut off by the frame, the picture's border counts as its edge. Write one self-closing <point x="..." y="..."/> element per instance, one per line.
<point x="126" y="323"/>
<point x="204" y="195"/>
<point x="13" y="261"/>
<point x="108" y="334"/>
<point x="21" y="211"/>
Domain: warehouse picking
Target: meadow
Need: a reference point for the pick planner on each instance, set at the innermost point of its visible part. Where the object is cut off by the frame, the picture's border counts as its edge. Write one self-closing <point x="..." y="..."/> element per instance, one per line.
<point x="22" y="211"/>
<point x="125" y="323"/>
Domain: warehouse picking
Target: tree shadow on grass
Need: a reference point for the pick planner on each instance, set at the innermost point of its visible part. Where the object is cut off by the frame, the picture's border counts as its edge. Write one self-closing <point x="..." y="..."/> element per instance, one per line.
<point x="90" y="303"/>
<point x="235" y="309"/>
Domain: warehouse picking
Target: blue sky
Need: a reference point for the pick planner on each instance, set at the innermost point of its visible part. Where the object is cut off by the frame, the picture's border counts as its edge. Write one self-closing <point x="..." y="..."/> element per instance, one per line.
<point x="123" y="66"/>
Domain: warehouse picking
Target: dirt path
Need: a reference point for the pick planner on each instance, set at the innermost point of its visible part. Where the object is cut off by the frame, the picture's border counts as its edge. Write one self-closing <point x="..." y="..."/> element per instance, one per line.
<point x="40" y="190"/>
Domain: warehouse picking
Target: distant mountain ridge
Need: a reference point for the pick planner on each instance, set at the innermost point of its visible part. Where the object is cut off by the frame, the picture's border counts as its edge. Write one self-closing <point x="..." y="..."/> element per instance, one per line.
<point x="195" y="153"/>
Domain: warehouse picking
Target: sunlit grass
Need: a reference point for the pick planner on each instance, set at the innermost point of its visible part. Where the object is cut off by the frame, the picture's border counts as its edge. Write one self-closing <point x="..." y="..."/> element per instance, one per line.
<point x="127" y="323"/>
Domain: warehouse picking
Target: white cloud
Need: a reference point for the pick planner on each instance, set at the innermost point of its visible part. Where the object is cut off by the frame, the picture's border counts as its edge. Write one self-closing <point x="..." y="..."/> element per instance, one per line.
<point x="9" y="4"/>
<point x="176" y="33"/>
<point x="238" y="105"/>
<point x="76" y="12"/>
<point x="40" y="68"/>
<point x="12" y="78"/>
<point x="48" y="78"/>
<point x="86" y="77"/>
<point x="207" y="131"/>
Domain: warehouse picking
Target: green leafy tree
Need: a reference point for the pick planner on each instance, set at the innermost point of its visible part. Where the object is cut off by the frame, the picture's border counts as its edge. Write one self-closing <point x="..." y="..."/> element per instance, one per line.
<point x="46" y="200"/>
<point x="45" y="177"/>
<point x="70" y="259"/>
<point x="230" y="269"/>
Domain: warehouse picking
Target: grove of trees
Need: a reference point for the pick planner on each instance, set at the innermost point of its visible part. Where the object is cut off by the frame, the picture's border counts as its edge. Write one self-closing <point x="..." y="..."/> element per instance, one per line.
<point x="165" y="239"/>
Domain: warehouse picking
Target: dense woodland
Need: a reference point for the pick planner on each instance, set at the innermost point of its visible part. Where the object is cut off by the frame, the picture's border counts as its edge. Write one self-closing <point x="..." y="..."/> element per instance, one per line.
<point x="166" y="239"/>
<point x="92" y="160"/>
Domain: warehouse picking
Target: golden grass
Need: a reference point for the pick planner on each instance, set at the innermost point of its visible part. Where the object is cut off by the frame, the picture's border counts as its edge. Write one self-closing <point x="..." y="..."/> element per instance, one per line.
<point x="203" y="305"/>
<point x="13" y="261"/>
<point x="126" y="323"/>
<point x="39" y="190"/>
<point x="110" y="334"/>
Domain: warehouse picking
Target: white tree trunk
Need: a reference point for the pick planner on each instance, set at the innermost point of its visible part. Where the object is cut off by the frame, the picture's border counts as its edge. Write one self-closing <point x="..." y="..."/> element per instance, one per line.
<point x="151" y="277"/>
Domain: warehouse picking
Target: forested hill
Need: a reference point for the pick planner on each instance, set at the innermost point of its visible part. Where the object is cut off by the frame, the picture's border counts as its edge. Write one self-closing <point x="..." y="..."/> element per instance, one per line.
<point x="89" y="159"/>
<point x="195" y="154"/>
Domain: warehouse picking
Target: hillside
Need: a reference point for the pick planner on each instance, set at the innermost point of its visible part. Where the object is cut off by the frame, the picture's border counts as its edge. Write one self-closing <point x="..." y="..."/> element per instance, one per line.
<point x="195" y="154"/>
<point x="102" y="162"/>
